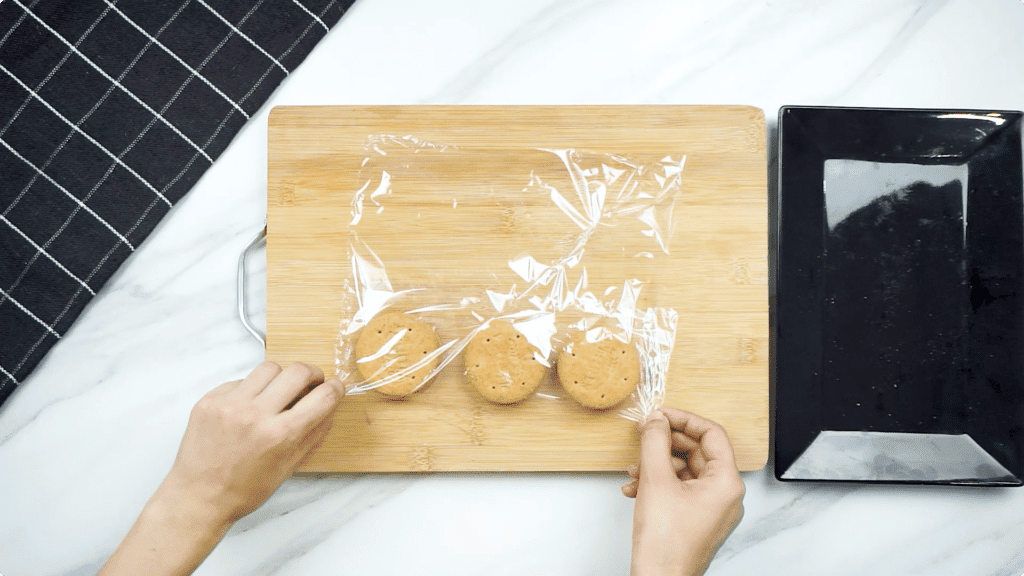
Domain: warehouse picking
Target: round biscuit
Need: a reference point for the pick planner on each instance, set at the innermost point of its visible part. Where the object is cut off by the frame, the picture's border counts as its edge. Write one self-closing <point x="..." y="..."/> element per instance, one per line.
<point x="502" y="365"/>
<point x="599" y="374"/>
<point x="418" y="340"/>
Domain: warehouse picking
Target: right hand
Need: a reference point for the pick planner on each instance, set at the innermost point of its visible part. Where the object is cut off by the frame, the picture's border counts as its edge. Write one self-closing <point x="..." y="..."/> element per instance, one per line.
<point x="685" y="508"/>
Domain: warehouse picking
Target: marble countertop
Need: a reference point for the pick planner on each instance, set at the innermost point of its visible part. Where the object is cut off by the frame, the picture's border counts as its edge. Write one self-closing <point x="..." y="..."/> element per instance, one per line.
<point x="86" y="439"/>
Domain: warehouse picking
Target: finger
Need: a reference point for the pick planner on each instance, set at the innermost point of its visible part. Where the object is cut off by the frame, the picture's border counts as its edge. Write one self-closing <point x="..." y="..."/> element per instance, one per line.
<point x="629" y="489"/>
<point x="678" y="464"/>
<point x="258" y="379"/>
<point x="302" y="394"/>
<point x="690" y="449"/>
<point x="299" y="452"/>
<point x="315" y="407"/>
<point x="318" y="434"/>
<point x="694" y="456"/>
<point x="634" y="471"/>
<point x="656" y="449"/>
<point x="714" y="441"/>
<point x="682" y="467"/>
<point x="683" y="443"/>
<point x="697" y="463"/>
<point x="291" y="382"/>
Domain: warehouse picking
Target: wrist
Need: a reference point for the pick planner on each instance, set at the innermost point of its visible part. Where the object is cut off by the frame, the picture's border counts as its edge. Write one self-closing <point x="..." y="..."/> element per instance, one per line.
<point x="686" y="563"/>
<point x="172" y="536"/>
<point x="640" y="569"/>
<point x="174" y="504"/>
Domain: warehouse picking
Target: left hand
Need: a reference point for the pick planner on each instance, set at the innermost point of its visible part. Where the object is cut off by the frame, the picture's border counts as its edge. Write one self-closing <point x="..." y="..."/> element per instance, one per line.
<point x="243" y="440"/>
<point x="242" y="443"/>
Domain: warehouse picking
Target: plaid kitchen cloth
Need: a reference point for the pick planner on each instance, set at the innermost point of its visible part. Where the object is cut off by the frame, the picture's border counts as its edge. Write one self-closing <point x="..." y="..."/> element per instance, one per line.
<point x="110" y="111"/>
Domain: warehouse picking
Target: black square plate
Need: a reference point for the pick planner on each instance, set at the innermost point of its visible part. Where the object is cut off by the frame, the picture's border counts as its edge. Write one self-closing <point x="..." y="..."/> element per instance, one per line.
<point x="900" y="296"/>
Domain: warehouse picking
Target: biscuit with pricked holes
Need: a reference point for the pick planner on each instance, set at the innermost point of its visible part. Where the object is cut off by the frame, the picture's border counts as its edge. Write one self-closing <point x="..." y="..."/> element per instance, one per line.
<point x="394" y="342"/>
<point x="502" y="365"/>
<point x="598" y="374"/>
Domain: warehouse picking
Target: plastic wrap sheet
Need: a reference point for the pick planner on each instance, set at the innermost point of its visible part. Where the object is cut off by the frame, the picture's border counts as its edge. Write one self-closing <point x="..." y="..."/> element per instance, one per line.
<point x="560" y="245"/>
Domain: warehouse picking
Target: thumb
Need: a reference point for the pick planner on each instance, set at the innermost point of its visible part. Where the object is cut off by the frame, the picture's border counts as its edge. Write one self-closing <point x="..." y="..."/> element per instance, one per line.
<point x="656" y="449"/>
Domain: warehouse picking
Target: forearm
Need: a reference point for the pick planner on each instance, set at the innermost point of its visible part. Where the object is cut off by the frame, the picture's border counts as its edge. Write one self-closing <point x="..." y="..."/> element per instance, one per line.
<point x="172" y="536"/>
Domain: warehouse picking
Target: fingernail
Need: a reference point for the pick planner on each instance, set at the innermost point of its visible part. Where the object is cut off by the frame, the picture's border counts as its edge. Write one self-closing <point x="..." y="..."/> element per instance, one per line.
<point x="631" y="469"/>
<point x="655" y="415"/>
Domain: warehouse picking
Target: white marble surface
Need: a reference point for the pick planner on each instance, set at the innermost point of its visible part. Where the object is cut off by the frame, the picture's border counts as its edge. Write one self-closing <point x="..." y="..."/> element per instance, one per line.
<point x="87" y="438"/>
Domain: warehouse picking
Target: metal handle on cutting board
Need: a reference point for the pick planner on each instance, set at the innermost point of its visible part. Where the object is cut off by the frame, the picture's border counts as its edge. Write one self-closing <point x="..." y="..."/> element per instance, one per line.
<point x="258" y="241"/>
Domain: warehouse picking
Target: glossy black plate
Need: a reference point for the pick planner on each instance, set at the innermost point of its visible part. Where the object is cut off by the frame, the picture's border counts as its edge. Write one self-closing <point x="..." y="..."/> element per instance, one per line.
<point x="900" y="351"/>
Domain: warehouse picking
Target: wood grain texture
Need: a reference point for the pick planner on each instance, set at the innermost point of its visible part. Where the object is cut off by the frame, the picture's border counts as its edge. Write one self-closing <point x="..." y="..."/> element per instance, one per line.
<point x="716" y="275"/>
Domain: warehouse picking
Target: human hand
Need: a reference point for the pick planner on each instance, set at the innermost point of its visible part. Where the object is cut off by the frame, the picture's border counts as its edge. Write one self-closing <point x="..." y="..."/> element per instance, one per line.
<point x="242" y="443"/>
<point x="243" y="440"/>
<point x="685" y="507"/>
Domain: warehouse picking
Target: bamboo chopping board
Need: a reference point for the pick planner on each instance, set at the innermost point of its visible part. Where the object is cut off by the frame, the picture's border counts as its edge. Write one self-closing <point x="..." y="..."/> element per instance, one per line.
<point x="715" y="277"/>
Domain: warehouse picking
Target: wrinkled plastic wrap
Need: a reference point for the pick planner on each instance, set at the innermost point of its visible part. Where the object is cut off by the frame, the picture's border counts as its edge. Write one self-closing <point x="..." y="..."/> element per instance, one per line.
<point x="555" y="242"/>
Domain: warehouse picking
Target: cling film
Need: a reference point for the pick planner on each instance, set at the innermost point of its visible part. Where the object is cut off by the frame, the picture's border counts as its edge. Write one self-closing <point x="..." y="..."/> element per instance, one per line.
<point x="512" y="259"/>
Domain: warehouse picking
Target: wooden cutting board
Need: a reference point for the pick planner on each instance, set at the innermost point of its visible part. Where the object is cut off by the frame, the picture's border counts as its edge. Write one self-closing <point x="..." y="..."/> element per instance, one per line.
<point x="715" y="277"/>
